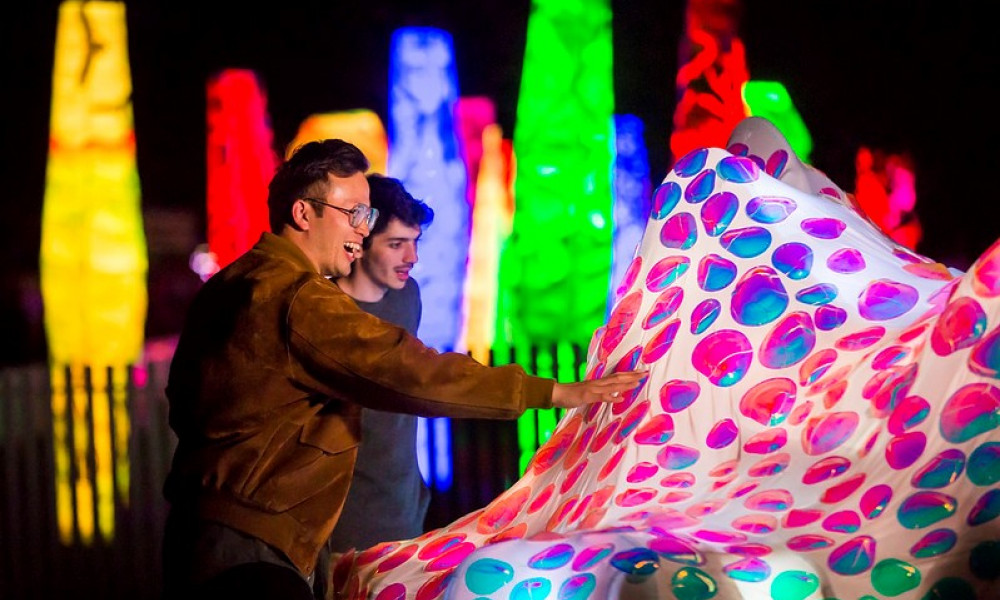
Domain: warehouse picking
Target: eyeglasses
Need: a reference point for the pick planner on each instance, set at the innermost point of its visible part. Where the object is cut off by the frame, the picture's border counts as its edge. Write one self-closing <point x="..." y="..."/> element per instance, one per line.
<point x="361" y="213"/>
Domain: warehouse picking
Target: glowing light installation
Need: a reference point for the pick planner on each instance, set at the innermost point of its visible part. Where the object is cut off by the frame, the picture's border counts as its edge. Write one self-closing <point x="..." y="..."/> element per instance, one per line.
<point x="556" y="264"/>
<point x="885" y="188"/>
<point x="711" y="77"/>
<point x="490" y="198"/>
<point x="632" y="190"/>
<point x="424" y="155"/>
<point x="241" y="161"/>
<point x="771" y="100"/>
<point x="93" y="263"/>
<point x="361" y="127"/>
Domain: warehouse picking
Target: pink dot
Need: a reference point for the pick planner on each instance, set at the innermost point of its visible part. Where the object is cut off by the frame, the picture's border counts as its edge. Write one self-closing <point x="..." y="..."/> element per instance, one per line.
<point x="723" y="357"/>
<point x="884" y="299"/>
<point x="846" y="260"/>
<point x="960" y="325"/>
<point x="769" y="402"/>
<point x="903" y="450"/>
<point x="619" y="322"/>
<point x="825" y="433"/>
<point x="986" y="272"/>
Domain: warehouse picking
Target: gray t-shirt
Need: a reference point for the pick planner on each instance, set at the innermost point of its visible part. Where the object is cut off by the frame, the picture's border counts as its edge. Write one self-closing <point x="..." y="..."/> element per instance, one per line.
<point x="388" y="498"/>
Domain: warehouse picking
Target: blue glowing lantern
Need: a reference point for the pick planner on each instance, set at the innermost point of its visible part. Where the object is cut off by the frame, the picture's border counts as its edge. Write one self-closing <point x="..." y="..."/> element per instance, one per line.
<point x="424" y="154"/>
<point x="632" y="196"/>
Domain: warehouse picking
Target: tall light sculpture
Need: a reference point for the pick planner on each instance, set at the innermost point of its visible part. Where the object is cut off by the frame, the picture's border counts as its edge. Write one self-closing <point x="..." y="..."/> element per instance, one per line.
<point x="710" y="79"/>
<point x="771" y="100"/>
<point x="632" y="190"/>
<point x="490" y="201"/>
<point x="885" y="189"/>
<point x="556" y="265"/>
<point x="361" y="127"/>
<point x="424" y="154"/>
<point x="240" y="163"/>
<point x="93" y="264"/>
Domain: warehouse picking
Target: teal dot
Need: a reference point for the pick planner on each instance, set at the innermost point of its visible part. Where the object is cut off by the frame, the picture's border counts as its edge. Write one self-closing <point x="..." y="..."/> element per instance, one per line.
<point x="536" y="588"/>
<point x="578" y="587"/>
<point x="984" y="464"/>
<point x="951" y="588"/>
<point x="488" y="575"/>
<point x="636" y="561"/>
<point x="892" y="577"/>
<point x="690" y="583"/>
<point x="984" y="560"/>
<point x="794" y="585"/>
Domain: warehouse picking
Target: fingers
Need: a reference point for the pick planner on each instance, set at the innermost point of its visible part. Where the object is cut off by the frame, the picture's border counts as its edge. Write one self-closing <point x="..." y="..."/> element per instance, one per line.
<point x="610" y="388"/>
<point x="625" y="376"/>
<point x="616" y="384"/>
<point x="620" y="382"/>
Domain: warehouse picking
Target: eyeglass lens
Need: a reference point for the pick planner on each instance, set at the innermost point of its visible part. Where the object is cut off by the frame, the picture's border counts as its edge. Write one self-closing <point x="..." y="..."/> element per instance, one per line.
<point x="361" y="213"/>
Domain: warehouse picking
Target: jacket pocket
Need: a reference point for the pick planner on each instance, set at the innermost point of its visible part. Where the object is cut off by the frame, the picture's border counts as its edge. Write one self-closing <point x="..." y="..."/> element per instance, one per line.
<point x="317" y="461"/>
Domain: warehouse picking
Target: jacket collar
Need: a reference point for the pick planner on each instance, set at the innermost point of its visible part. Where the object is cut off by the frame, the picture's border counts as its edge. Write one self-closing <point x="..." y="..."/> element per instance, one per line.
<point x="276" y="245"/>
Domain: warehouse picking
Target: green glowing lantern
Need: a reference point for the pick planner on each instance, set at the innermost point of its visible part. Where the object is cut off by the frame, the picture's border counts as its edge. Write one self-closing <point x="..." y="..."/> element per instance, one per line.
<point x="556" y="264"/>
<point x="771" y="100"/>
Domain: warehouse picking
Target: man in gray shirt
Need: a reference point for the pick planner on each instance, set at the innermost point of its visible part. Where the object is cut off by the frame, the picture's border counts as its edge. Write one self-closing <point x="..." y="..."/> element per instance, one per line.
<point x="388" y="499"/>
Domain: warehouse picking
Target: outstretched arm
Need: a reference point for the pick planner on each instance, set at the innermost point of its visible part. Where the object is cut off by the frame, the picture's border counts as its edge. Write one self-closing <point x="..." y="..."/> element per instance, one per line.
<point x="606" y="389"/>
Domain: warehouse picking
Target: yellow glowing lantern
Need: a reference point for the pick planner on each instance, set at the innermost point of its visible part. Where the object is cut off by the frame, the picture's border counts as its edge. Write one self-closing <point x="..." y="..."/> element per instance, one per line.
<point x="492" y="218"/>
<point x="93" y="262"/>
<point x="361" y="127"/>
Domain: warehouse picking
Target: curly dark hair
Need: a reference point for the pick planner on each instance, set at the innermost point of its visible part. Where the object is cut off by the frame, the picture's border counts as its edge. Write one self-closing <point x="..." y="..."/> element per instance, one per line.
<point x="393" y="202"/>
<point x="305" y="173"/>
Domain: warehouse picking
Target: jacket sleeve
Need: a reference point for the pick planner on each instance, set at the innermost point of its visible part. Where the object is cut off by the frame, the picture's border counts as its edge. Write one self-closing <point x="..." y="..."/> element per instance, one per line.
<point x="348" y="354"/>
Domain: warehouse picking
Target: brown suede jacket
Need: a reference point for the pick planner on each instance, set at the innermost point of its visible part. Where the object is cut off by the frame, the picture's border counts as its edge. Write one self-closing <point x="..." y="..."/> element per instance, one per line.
<point x="265" y="388"/>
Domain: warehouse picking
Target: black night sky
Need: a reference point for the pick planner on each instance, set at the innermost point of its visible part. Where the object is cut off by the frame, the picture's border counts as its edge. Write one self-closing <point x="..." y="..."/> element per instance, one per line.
<point x="903" y="76"/>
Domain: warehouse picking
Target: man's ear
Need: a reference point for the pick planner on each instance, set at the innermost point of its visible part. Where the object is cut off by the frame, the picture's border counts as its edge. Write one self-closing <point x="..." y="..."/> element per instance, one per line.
<point x="301" y="216"/>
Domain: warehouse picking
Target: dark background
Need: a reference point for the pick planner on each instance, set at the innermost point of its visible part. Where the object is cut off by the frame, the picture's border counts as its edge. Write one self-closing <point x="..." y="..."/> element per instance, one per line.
<point x="901" y="76"/>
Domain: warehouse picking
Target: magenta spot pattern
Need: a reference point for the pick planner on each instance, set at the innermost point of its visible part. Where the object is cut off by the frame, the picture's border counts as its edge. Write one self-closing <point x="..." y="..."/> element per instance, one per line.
<point x="773" y="443"/>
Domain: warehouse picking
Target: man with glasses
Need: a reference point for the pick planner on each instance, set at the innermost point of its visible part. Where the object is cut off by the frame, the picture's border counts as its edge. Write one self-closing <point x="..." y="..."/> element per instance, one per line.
<point x="268" y="380"/>
<point x="387" y="480"/>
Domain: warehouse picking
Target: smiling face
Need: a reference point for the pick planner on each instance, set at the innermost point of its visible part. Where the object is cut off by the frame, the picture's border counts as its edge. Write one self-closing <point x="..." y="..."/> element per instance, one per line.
<point x="391" y="256"/>
<point x="325" y="234"/>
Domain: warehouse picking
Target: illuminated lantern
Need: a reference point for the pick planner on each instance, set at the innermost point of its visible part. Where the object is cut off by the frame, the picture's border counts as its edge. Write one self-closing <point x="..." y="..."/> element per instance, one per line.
<point x="424" y="154"/>
<point x="632" y="190"/>
<point x="241" y="162"/>
<point x="490" y="198"/>
<point x="710" y="78"/>
<point x="93" y="262"/>
<point x="557" y="261"/>
<point x="771" y="100"/>
<point x="885" y="189"/>
<point x="361" y="127"/>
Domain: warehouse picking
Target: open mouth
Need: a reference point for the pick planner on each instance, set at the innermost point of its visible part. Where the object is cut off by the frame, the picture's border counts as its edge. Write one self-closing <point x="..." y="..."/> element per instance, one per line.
<point x="353" y="248"/>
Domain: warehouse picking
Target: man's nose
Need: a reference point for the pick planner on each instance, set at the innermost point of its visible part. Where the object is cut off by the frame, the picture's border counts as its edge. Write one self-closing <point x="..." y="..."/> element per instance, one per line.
<point x="410" y="255"/>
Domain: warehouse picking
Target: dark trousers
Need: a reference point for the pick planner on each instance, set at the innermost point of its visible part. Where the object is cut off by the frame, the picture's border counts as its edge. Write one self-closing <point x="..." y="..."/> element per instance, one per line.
<point x="207" y="560"/>
<point x="254" y="581"/>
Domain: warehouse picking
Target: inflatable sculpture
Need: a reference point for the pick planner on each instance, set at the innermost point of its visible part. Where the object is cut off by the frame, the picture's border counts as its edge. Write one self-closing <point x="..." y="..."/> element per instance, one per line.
<point x="820" y="419"/>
